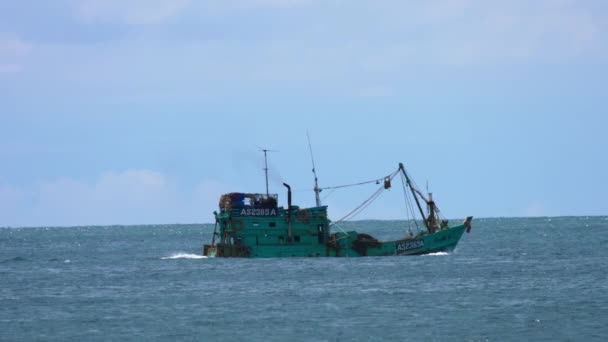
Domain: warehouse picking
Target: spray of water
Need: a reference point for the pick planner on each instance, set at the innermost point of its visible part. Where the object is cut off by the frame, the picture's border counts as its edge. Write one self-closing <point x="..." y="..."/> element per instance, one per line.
<point x="436" y="254"/>
<point x="182" y="255"/>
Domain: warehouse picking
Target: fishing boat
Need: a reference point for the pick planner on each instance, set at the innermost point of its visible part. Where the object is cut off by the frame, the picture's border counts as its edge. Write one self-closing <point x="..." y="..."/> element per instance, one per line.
<point x="253" y="225"/>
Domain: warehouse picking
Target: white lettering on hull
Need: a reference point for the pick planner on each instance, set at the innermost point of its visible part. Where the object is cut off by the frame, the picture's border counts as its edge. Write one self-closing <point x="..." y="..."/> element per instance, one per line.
<point x="258" y="212"/>
<point x="407" y="245"/>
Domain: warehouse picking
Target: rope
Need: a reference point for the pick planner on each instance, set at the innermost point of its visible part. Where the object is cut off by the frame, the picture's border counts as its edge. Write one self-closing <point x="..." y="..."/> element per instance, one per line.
<point x="362" y="206"/>
<point x="437" y="211"/>
<point x="328" y="194"/>
<point x="409" y="206"/>
<point x="367" y="202"/>
<point x="407" y="213"/>
<point x="354" y="184"/>
<point x="343" y="186"/>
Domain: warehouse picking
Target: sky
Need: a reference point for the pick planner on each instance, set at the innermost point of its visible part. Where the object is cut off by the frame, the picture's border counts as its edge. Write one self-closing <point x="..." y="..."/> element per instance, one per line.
<point x="144" y="112"/>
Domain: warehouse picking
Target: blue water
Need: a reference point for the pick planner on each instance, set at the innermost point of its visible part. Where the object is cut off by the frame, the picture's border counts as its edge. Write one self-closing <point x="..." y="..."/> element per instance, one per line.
<point x="533" y="279"/>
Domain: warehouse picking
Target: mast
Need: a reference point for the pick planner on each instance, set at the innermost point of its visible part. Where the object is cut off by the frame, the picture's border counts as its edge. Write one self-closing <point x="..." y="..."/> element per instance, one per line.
<point x="407" y="179"/>
<point x="266" y="166"/>
<point x="432" y="219"/>
<point x="314" y="172"/>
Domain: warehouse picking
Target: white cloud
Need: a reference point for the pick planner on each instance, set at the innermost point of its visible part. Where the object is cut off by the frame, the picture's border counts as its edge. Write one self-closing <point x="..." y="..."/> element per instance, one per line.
<point x="340" y="52"/>
<point x="143" y="12"/>
<point x="11" y="46"/>
<point x="216" y="6"/>
<point x="12" y="51"/>
<point x="377" y="38"/>
<point x="279" y="3"/>
<point x="127" y="197"/>
<point x="472" y="32"/>
<point x="132" y="12"/>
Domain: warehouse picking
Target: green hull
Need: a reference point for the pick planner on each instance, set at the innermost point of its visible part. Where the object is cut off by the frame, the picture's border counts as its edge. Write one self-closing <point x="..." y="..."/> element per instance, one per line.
<point x="441" y="241"/>
<point x="305" y="233"/>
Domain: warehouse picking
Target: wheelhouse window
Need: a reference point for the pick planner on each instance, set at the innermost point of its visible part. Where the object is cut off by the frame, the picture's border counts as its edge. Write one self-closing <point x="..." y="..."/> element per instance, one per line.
<point x="321" y="233"/>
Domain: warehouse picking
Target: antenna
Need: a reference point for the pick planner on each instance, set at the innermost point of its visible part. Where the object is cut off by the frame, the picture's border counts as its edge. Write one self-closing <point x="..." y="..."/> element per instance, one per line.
<point x="314" y="171"/>
<point x="265" y="150"/>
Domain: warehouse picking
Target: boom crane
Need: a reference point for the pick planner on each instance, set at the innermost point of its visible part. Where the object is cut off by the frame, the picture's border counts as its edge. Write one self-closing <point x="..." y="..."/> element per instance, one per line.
<point x="314" y="172"/>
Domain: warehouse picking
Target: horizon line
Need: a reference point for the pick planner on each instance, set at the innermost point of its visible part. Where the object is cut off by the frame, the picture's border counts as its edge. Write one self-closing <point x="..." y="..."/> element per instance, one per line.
<point x="210" y="223"/>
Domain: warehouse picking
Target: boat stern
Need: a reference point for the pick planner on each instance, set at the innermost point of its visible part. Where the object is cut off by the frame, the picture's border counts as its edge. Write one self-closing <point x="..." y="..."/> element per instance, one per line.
<point x="210" y="251"/>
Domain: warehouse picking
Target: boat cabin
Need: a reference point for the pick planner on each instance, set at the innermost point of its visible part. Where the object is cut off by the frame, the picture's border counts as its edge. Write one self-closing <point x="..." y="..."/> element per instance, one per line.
<point x="239" y="200"/>
<point x="252" y="224"/>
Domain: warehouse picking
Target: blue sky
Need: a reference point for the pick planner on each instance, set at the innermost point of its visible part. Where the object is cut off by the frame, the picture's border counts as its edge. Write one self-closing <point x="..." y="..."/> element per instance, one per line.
<point x="128" y="112"/>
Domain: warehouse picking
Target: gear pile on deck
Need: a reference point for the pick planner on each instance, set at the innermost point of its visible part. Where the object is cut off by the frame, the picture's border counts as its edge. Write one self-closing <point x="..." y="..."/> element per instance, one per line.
<point x="253" y="225"/>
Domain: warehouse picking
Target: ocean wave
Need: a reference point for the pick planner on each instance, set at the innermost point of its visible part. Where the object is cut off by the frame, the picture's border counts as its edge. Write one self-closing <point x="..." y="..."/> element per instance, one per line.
<point x="438" y="253"/>
<point x="184" y="256"/>
<point x="15" y="259"/>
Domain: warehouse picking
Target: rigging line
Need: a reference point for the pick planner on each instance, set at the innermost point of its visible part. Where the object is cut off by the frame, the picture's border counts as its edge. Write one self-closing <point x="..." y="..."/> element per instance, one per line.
<point x="366" y="203"/>
<point x="409" y="203"/>
<point x="407" y="214"/>
<point x="362" y="207"/>
<point x="314" y="171"/>
<point x="371" y="198"/>
<point x="438" y="212"/>
<point x="342" y="230"/>
<point x="328" y="194"/>
<point x="332" y="189"/>
<point x="354" y="184"/>
<point x="407" y="208"/>
<point x="404" y="193"/>
<point x="413" y="213"/>
<point x="309" y="190"/>
<point x="416" y="188"/>
<point x="312" y="158"/>
<point x="377" y="181"/>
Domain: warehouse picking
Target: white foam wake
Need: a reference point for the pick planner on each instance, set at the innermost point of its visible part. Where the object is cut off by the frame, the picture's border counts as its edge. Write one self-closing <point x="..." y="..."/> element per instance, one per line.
<point x="438" y="253"/>
<point x="184" y="256"/>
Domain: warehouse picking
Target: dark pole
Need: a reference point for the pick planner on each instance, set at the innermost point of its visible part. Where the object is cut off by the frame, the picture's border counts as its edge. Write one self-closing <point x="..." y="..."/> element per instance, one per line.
<point x="265" y="150"/>
<point x="288" y="211"/>
<point x="415" y="197"/>
<point x="266" y="170"/>
<point x="214" y="232"/>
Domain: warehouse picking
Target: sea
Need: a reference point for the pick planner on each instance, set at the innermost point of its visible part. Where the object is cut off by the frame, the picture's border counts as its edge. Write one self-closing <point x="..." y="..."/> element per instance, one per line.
<point x="510" y="279"/>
